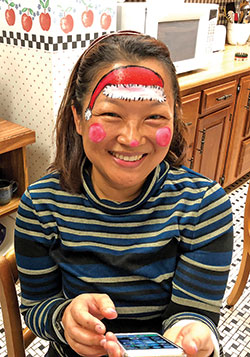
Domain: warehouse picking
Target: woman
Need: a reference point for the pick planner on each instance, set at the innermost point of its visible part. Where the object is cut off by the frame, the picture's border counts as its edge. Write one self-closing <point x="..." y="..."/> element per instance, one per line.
<point x="119" y="237"/>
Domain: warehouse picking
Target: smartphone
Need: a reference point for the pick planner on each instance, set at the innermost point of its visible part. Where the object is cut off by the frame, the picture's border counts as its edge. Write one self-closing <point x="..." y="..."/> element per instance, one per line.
<point x="148" y="344"/>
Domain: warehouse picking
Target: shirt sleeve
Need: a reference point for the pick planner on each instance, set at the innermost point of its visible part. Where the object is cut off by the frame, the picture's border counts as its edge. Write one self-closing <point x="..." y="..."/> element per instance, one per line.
<point x="42" y="300"/>
<point x="205" y="253"/>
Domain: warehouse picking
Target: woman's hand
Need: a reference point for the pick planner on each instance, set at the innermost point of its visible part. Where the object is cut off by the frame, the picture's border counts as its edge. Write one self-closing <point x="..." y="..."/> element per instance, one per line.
<point x="111" y="345"/>
<point x="195" y="338"/>
<point x="83" y="329"/>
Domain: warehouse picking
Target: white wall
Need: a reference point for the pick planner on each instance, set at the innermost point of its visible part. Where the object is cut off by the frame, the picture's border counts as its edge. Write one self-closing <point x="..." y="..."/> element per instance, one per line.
<point x="35" y="66"/>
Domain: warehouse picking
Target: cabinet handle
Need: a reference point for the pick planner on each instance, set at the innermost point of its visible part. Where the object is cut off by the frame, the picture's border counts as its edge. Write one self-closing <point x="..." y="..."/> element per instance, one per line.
<point x="224" y="97"/>
<point x="248" y="102"/>
<point x="188" y="123"/>
<point x="203" y="137"/>
<point x="191" y="162"/>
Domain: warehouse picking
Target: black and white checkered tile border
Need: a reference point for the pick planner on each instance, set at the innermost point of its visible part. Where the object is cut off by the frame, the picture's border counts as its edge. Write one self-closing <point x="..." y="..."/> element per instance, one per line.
<point x="48" y="43"/>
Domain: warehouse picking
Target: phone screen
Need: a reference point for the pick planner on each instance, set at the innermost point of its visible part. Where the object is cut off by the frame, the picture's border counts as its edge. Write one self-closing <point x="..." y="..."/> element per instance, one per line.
<point x="147" y="341"/>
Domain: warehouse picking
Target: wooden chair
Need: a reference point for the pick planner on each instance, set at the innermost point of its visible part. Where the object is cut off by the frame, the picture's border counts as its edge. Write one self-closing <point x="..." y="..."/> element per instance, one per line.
<point x="17" y="338"/>
<point x="245" y="261"/>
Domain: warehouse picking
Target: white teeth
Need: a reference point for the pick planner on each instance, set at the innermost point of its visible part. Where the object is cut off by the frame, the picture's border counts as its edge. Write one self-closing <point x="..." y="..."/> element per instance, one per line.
<point x="127" y="158"/>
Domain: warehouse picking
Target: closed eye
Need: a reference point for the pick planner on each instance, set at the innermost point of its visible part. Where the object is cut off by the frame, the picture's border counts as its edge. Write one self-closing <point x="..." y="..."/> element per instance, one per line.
<point x="155" y="116"/>
<point x="110" y="114"/>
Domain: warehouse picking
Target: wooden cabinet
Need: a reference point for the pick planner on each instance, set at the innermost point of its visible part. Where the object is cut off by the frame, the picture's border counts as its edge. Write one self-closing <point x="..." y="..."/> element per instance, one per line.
<point x="243" y="166"/>
<point x="208" y="115"/>
<point x="212" y="133"/>
<point x="13" y="141"/>
<point x="211" y="144"/>
<point x="242" y="127"/>
<point x="190" y="108"/>
<point x="218" y="97"/>
<point x="238" y="163"/>
<point x="216" y="110"/>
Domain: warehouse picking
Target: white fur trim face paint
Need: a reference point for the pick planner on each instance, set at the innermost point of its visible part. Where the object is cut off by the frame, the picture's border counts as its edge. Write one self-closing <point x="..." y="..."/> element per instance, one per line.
<point x="134" y="92"/>
<point x="129" y="83"/>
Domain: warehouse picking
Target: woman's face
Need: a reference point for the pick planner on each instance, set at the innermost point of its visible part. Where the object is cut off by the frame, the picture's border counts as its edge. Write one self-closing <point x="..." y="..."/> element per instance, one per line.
<point x="125" y="137"/>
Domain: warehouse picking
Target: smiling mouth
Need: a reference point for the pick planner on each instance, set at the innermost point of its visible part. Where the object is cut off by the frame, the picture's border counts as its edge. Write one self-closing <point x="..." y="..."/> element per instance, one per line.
<point x="126" y="157"/>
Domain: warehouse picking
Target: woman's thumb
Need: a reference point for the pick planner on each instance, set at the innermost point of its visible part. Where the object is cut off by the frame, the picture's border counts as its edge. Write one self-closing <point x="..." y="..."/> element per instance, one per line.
<point x="189" y="346"/>
<point x="195" y="337"/>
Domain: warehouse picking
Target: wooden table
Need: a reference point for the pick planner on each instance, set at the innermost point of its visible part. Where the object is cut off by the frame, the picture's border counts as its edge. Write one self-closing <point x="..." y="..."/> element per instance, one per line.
<point x="13" y="166"/>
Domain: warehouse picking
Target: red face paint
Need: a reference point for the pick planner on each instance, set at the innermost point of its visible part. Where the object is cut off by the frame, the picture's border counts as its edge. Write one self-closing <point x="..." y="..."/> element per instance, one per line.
<point x="96" y="133"/>
<point x="129" y="83"/>
<point x="163" y="136"/>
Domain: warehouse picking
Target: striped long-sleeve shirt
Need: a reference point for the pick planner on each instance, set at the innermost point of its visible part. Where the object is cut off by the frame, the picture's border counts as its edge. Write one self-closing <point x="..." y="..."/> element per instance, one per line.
<point x="161" y="257"/>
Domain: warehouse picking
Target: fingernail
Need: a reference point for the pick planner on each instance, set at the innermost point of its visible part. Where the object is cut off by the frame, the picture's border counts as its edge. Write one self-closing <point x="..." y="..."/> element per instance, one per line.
<point x="99" y="329"/>
<point x="102" y="342"/>
<point x="194" y="346"/>
<point x="110" y="310"/>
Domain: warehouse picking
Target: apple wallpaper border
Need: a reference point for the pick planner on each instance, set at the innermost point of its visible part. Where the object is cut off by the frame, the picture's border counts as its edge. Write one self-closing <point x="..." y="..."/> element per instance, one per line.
<point x="55" y="25"/>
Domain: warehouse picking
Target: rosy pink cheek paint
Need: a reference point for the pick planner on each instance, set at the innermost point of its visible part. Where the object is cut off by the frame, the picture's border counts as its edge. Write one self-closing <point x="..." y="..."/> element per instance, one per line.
<point x="96" y="133"/>
<point x="163" y="136"/>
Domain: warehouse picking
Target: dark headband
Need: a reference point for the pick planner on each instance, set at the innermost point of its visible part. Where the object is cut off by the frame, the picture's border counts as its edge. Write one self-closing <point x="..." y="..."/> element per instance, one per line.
<point x="107" y="35"/>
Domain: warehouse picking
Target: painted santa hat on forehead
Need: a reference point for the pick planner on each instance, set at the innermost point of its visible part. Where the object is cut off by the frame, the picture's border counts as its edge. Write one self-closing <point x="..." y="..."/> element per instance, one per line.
<point x="129" y="83"/>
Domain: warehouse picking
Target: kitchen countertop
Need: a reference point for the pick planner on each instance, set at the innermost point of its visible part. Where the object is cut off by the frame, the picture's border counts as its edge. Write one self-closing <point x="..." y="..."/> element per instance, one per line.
<point x="221" y="65"/>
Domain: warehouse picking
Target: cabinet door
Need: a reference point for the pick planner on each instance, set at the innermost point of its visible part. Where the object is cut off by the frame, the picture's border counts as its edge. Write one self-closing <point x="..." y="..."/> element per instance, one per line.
<point x="243" y="166"/>
<point x="190" y="109"/>
<point x="238" y="162"/>
<point x="244" y="104"/>
<point x="211" y="144"/>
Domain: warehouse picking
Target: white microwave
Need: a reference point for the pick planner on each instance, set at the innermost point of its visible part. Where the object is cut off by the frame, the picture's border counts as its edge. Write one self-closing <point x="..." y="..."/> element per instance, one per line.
<point x="188" y="30"/>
